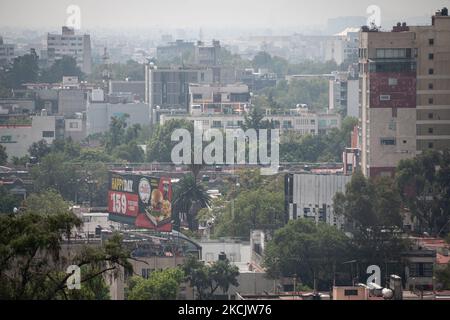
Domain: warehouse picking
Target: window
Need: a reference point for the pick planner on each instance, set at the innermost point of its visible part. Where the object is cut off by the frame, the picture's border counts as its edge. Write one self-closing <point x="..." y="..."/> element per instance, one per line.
<point x="430" y="145"/>
<point x="48" y="134"/>
<point x="431" y="71"/>
<point x="197" y="96"/>
<point x="387" y="141"/>
<point x="430" y="86"/>
<point x="430" y="130"/>
<point x="393" y="81"/>
<point x="394" y="112"/>
<point x="217" y="124"/>
<point x="421" y="269"/>
<point x="73" y="125"/>
<point x="430" y="116"/>
<point x="431" y="56"/>
<point x="146" y="273"/>
<point x="385" y="97"/>
<point x="431" y="42"/>
<point x="430" y="101"/>
<point x="350" y="292"/>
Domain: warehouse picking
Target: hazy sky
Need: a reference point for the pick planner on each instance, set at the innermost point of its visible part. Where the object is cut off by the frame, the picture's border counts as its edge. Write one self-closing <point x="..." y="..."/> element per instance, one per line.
<point x="206" y="13"/>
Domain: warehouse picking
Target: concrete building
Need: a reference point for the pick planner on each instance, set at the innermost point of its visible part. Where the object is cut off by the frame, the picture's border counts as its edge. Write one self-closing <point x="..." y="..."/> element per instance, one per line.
<point x="99" y="112"/>
<point x="17" y="105"/>
<point x="6" y="52"/>
<point x="344" y="93"/>
<point x="17" y="138"/>
<point x="218" y="99"/>
<point x="297" y="120"/>
<point x="71" y="101"/>
<point x="69" y="44"/>
<point x="207" y="55"/>
<point x="168" y="88"/>
<point x="310" y="196"/>
<point x="136" y="88"/>
<point x="388" y="102"/>
<point x="173" y="51"/>
<point x="350" y="293"/>
<point x="405" y="96"/>
<point x="433" y="83"/>
<point x="257" y="80"/>
<point x="76" y="127"/>
<point x="343" y="46"/>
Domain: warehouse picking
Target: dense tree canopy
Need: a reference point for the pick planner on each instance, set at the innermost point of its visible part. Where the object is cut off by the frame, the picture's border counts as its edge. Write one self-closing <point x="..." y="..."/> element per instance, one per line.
<point x="317" y="148"/>
<point x="372" y="212"/>
<point x="424" y="183"/>
<point x="66" y="66"/>
<point x="311" y="252"/>
<point x="207" y="279"/>
<point x="161" y="285"/>
<point x="32" y="264"/>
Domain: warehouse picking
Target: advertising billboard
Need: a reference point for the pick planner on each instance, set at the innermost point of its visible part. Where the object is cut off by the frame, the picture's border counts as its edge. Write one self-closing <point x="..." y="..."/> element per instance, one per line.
<point x="140" y="200"/>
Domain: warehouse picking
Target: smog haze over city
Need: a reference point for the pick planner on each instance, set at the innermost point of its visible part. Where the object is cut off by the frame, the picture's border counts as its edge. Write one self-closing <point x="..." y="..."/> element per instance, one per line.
<point x="247" y="151"/>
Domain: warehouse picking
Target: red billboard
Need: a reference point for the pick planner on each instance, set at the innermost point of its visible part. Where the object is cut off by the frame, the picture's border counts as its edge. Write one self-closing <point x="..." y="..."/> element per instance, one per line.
<point x="141" y="201"/>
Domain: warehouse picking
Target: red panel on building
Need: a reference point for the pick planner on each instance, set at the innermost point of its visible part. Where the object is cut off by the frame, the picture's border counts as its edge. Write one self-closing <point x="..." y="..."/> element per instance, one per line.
<point x="393" y="90"/>
<point x="123" y="203"/>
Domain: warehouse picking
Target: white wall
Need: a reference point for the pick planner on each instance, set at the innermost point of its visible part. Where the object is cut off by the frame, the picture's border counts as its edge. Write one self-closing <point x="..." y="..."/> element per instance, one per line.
<point x="99" y="115"/>
<point x="313" y="191"/>
<point x="22" y="137"/>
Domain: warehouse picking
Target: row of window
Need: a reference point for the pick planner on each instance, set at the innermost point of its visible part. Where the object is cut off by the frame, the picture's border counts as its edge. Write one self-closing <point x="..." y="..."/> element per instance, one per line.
<point x="393" y="53"/>
<point x="66" y="38"/>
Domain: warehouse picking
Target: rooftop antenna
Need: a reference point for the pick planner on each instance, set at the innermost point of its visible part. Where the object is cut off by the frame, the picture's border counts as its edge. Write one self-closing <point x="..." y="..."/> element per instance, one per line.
<point x="106" y="73"/>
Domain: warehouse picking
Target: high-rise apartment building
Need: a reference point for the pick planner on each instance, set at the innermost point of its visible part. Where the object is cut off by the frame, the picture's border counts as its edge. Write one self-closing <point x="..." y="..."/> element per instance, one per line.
<point x="69" y="44"/>
<point x="405" y="93"/>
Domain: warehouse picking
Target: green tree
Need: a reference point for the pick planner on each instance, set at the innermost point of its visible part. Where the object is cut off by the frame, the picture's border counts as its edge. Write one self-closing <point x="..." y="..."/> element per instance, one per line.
<point x="8" y="201"/>
<point x="443" y="277"/>
<point x="160" y="146"/>
<point x="24" y="69"/>
<point x="132" y="70"/>
<point x="3" y="155"/>
<point x="116" y="134"/>
<point x="371" y="208"/>
<point x="130" y="152"/>
<point x="32" y="263"/>
<point x="94" y="288"/>
<point x="308" y="251"/>
<point x="425" y="190"/>
<point x="39" y="149"/>
<point x="66" y="66"/>
<point x="55" y="171"/>
<point x="207" y="279"/>
<point x="253" y="209"/>
<point x="189" y="197"/>
<point x="161" y="285"/>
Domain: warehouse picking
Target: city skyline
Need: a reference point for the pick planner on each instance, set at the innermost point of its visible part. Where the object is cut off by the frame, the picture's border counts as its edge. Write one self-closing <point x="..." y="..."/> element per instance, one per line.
<point x="139" y="14"/>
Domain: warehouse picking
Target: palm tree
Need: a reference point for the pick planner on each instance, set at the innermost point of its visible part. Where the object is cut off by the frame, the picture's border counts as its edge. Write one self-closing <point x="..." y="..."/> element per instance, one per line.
<point x="189" y="198"/>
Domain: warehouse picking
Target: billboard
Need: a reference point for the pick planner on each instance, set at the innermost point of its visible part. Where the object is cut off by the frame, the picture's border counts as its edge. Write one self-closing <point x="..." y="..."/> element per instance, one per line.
<point x="140" y="200"/>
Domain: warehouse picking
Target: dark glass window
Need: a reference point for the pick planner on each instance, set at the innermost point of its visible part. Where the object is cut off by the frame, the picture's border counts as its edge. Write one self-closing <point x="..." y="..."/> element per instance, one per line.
<point x="48" y="134"/>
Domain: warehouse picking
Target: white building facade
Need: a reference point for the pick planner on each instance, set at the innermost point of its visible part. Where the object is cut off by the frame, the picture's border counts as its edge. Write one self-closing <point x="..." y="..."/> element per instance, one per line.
<point x="69" y="44"/>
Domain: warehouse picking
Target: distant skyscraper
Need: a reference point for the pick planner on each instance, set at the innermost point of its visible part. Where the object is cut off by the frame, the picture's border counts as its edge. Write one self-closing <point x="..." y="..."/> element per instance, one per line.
<point x="69" y="44"/>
